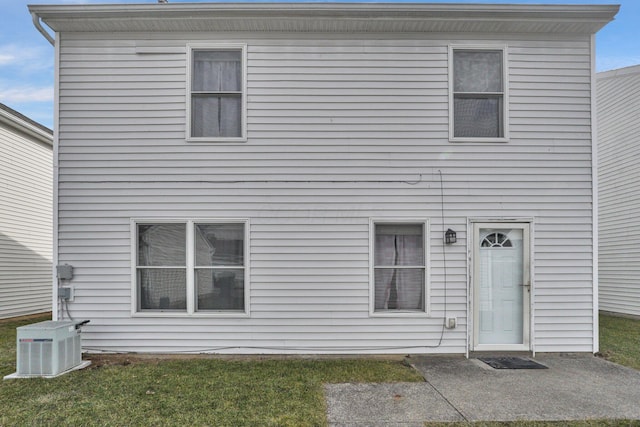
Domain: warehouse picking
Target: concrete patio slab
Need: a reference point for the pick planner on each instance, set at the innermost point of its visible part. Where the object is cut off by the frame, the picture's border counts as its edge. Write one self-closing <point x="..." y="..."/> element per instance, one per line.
<point x="386" y="405"/>
<point x="575" y="387"/>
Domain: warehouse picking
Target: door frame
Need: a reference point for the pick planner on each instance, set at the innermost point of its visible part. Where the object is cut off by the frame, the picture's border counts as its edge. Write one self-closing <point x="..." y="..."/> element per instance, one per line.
<point x="527" y="321"/>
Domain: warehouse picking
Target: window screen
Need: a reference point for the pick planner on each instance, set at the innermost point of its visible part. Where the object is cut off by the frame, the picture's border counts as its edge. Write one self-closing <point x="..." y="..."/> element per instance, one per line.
<point x="211" y="267"/>
<point x="216" y="93"/>
<point x="399" y="269"/>
<point x="478" y="94"/>
<point x="161" y="272"/>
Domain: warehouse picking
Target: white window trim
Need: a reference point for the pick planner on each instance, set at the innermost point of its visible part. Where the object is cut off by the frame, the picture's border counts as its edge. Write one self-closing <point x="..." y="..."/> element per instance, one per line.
<point x="217" y="46"/>
<point x="190" y="266"/>
<point x="505" y="101"/>
<point x="427" y="267"/>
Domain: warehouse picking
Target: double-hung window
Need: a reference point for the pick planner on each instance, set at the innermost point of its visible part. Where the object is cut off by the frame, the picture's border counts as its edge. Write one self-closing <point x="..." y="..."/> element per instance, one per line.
<point x="477" y="95"/>
<point x="400" y="283"/>
<point x="190" y="267"/>
<point x="217" y="93"/>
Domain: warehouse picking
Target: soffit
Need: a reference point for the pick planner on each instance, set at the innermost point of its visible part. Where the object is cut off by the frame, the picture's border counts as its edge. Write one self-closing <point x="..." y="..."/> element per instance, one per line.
<point x="327" y="17"/>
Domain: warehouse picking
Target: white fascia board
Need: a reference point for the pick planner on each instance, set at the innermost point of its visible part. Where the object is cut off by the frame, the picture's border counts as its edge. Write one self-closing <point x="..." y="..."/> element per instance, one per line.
<point x="362" y="17"/>
<point x="333" y="9"/>
<point x="24" y="126"/>
<point x="618" y="72"/>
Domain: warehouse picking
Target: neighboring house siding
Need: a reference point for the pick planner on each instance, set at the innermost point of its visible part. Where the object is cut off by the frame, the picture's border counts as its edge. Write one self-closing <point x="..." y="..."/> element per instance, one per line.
<point x="323" y="108"/>
<point x="25" y="223"/>
<point x="619" y="191"/>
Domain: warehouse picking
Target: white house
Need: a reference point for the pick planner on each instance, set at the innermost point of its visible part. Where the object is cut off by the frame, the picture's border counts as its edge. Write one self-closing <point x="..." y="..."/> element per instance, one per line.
<point x="26" y="177"/>
<point x="278" y="178"/>
<point x="619" y="190"/>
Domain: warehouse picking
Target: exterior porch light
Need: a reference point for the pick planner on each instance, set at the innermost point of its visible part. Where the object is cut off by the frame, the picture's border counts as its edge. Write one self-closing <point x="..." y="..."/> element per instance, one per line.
<point x="450" y="237"/>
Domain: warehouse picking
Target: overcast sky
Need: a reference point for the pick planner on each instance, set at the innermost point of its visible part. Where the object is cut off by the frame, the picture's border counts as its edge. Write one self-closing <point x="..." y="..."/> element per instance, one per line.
<point x="26" y="58"/>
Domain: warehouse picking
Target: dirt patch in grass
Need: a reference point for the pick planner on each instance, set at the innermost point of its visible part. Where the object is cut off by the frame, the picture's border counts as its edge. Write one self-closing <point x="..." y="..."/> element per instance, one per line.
<point x="99" y="360"/>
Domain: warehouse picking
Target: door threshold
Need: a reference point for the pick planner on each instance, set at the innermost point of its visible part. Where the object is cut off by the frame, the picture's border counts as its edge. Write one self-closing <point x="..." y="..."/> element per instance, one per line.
<point x="490" y="353"/>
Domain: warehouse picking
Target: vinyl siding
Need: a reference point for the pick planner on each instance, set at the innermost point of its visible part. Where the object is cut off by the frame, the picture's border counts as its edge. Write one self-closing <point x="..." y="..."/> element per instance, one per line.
<point x="341" y="129"/>
<point x="619" y="191"/>
<point x="26" y="199"/>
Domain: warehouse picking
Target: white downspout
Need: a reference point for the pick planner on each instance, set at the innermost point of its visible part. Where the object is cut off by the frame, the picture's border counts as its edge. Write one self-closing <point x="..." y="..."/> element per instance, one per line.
<point x="54" y="279"/>
<point x="595" y="200"/>
<point x="40" y="28"/>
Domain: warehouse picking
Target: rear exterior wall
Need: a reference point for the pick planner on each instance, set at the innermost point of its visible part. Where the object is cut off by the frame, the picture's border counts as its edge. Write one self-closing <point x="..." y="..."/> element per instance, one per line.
<point x="341" y="128"/>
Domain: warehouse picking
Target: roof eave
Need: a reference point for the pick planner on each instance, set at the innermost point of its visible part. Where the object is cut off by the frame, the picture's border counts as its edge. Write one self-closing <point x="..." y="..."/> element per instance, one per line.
<point x="25" y="125"/>
<point x="348" y="17"/>
<point x="618" y="72"/>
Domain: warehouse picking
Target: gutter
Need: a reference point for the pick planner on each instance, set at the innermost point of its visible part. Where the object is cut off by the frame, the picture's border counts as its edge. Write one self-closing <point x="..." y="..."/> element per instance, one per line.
<point x="36" y="22"/>
<point x="26" y="127"/>
<point x="332" y="17"/>
<point x="333" y="9"/>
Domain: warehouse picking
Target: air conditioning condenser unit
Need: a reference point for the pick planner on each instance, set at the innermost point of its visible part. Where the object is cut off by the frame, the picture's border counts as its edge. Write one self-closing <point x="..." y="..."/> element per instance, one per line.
<point x="48" y="349"/>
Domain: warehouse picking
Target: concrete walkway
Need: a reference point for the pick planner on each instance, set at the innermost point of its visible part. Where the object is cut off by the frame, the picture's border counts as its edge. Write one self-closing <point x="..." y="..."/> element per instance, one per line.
<point x="575" y="387"/>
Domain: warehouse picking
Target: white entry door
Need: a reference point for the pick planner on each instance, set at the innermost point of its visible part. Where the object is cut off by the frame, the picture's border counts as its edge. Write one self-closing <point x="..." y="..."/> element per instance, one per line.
<point x="501" y="286"/>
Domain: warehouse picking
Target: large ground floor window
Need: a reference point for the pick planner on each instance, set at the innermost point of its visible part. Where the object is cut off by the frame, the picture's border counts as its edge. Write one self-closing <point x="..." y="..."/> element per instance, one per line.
<point x="190" y="266"/>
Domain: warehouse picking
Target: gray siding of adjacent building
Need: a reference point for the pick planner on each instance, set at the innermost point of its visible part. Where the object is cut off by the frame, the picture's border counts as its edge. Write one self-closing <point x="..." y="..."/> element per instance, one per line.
<point x="26" y="175"/>
<point x="341" y="129"/>
<point x="619" y="191"/>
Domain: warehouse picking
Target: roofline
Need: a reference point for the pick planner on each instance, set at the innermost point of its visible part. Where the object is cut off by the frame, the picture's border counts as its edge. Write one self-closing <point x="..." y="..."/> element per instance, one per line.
<point x="23" y="123"/>
<point x="632" y="69"/>
<point x="60" y="16"/>
<point x="333" y="7"/>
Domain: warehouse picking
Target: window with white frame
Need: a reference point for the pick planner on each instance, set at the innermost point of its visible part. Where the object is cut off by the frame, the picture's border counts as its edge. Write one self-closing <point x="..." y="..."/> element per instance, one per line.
<point x="190" y="266"/>
<point x="400" y="267"/>
<point x="477" y="94"/>
<point x="216" y="94"/>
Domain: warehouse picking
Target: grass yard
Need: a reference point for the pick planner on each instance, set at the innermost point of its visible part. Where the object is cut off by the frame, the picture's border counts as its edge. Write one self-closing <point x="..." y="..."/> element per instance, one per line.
<point x="129" y="390"/>
<point x="151" y="391"/>
<point x="620" y="340"/>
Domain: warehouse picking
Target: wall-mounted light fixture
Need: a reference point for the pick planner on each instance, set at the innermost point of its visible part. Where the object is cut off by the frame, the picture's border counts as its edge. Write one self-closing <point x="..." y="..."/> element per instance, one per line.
<point x="450" y="237"/>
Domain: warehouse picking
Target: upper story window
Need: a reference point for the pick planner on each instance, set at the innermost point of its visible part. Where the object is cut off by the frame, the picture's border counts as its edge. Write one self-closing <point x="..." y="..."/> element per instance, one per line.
<point x="217" y="93"/>
<point x="477" y="103"/>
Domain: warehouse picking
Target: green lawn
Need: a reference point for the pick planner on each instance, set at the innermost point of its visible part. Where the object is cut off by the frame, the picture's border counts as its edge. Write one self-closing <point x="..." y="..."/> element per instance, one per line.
<point x="128" y="390"/>
<point x="182" y="392"/>
<point x="620" y="340"/>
